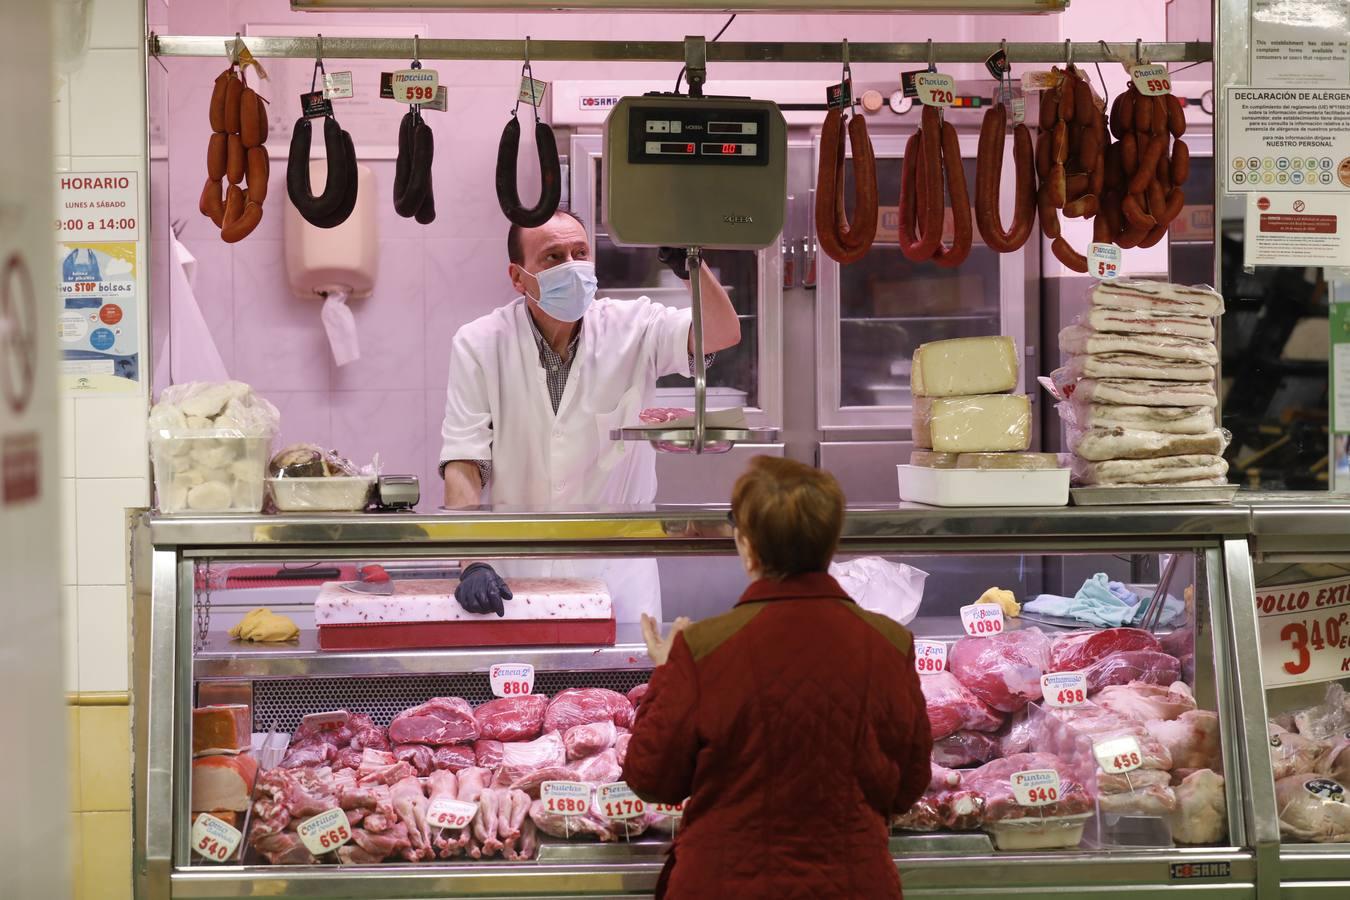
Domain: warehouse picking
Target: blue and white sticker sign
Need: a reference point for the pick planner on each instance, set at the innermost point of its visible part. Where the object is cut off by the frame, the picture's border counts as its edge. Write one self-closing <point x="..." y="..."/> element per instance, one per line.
<point x="1103" y="261"/>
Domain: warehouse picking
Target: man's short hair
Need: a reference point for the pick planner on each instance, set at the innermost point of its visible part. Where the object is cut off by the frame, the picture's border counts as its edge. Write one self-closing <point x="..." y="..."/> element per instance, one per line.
<point x="515" y="252"/>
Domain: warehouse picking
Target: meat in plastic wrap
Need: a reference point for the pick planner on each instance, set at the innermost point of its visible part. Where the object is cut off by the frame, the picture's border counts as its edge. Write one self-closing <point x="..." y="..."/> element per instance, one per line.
<point x="1143" y="701"/>
<point x="955" y="809"/>
<point x="1328" y="719"/>
<point x="588" y="740"/>
<point x="1293" y="754"/>
<point x="1070" y="733"/>
<point x="1077" y="650"/>
<point x="1077" y="786"/>
<point x="487" y="754"/>
<point x="519" y="758"/>
<point x="1181" y="644"/>
<point x="964" y="748"/>
<point x="1312" y="808"/>
<point x="1017" y="734"/>
<point x="942" y="778"/>
<point x="1335" y="763"/>
<point x="1143" y="792"/>
<point x="1149" y="666"/>
<point x="952" y="707"/>
<point x="1192" y="739"/>
<point x="1201" y="815"/>
<point x="1003" y="670"/>
<point x="511" y="718"/>
<point x="582" y="706"/>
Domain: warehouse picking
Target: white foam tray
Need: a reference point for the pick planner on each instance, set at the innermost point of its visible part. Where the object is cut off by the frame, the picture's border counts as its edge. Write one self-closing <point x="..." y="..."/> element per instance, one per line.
<point x="984" y="487"/>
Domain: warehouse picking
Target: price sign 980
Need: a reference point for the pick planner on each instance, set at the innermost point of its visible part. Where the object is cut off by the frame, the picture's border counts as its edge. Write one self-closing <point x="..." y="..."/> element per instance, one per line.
<point x="930" y="657"/>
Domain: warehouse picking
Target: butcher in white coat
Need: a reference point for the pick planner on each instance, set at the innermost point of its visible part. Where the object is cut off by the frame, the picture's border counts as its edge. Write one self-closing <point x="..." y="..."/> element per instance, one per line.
<point x="537" y="385"/>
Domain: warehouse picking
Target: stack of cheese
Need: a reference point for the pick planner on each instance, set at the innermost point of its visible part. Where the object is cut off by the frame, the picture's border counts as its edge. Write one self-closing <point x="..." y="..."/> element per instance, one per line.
<point x="1138" y="384"/>
<point x="964" y="415"/>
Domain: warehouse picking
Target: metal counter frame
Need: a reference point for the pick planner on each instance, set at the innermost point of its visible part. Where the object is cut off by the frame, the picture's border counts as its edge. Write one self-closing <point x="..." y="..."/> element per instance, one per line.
<point x="167" y="549"/>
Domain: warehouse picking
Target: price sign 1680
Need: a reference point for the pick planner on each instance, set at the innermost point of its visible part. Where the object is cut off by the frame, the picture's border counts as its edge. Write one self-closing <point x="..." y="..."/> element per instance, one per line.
<point x="565" y="798"/>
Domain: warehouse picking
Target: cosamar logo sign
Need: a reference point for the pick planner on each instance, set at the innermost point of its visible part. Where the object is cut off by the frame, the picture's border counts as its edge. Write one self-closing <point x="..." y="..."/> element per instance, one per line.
<point x="597" y="101"/>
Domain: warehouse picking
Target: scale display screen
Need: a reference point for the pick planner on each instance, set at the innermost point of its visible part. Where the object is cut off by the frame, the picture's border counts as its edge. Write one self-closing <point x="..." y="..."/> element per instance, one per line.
<point x="682" y="134"/>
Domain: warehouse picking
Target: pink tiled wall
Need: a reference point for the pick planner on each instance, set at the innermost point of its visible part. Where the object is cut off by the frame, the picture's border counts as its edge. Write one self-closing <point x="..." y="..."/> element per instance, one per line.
<point x="433" y="279"/>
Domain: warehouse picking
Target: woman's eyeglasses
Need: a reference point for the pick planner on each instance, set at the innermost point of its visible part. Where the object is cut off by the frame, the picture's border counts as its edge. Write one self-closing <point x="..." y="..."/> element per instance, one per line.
<point x="731" y="517"/>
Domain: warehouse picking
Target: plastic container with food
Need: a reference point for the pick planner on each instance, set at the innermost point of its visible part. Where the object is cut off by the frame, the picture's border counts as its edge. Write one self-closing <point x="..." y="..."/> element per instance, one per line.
<point x="341" y="493"/>
<point x="1036" y="833"/>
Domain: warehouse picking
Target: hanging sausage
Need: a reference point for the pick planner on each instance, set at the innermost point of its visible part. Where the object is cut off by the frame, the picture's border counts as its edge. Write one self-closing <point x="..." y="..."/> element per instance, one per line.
<point x="332" y="207"/>
<point x="1070" y="160"/>
<point x="933" y="162"/>
<point x="1143" y="174"/>
<point x="413" y="197"/>
<point x="845" y="241"/>
<point x="988" y="173"/>
<point x="236" y="154"/>
<point x="550" y="170"/>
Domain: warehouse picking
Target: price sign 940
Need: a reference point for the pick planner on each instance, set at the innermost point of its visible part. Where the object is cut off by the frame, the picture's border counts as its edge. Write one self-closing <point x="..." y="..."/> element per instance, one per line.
<point x="1035" y="787"/>
<point x="1151" y="79"/>
<point x="511" y="679"/>
<point x="325" y="832"/>
<point x="214" y="839"/>
<point x="1118" y="755"/>
<point x="930" y="657"/>
<point x="1064" y="688"/>
<point x="982" y="619"/>
<point x="617" y="801"/>
<point x="935" y="89"/>
<point x="565" y="798"/>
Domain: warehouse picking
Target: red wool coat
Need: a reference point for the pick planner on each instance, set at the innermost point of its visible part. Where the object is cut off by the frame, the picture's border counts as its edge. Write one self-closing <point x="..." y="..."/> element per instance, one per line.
<point x="795" y="726"/>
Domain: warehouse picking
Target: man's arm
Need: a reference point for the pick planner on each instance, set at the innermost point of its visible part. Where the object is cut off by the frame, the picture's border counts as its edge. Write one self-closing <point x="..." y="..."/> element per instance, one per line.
<point x="721" y="326"/>
<point x="463" y="485"/>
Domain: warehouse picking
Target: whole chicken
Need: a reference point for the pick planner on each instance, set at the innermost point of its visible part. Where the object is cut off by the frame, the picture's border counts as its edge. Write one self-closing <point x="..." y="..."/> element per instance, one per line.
<point x="411" y="805"/>
<point x="1292" y="754"/>
<point x="1201" y="816"/>
<point x="1192" y="740"/>
<point x="1312" y="808"/>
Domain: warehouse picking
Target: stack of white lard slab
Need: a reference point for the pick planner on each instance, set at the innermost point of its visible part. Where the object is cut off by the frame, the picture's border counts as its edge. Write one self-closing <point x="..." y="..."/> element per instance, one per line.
<point x="1138" y="384"/>
<point x="965" y="415"/>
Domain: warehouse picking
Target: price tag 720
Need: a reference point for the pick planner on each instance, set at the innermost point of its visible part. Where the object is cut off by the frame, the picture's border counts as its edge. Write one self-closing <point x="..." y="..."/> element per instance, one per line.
<point x="1151" y="79"/>
<point x="452" y="814"/>
<point x="982" y="619"/>
<point x="325" y="832"/>
<point x="565" y="798"/>
<point x="511" y="679"/>
<point x="617" y="801"/>
<point x="415" y="85"/>
<point x="214" y="839"/>
<point x="1035" y="787"/>
<point x="935" y="88"/>
<point x="1118" y="755"/>
<point x="1064" y="688"/>
<point x="930" y="657"/>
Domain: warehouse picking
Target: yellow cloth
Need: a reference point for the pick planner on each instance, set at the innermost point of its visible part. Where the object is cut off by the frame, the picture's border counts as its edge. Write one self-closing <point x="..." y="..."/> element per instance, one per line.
<point x="1005" y="599"/>
<point x="263" y="625"/>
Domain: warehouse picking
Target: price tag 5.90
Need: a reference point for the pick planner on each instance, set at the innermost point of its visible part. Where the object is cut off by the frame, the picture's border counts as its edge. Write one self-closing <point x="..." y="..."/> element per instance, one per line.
<point x="982" y="619"/>
<point x="1035" y="787"/>
<point x="1064" y="688"/>
<point x="930" y="657"/>
<point x="452" y="814"/>
<point x="1103" y="261"/>
<point x="325" y="832"/>
<point x="565" y="798"/>
<point x="1151" y="79"/>
<point x="617" y="801"/>
<point x="1118" y="755"/>
<point x="214" y="839"/>
<point x="935" y="88"/>
<point x="414" y="85"/>
<point x="511" y="679"/>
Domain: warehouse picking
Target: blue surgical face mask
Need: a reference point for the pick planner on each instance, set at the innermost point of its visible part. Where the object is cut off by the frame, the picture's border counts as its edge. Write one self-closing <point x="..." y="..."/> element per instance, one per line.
<point x="567" y="290"/>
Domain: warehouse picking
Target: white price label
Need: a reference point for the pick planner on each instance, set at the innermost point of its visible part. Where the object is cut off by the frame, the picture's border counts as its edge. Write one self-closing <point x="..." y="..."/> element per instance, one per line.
<point x="325" y="832"/>
<point x="325" y="721"/>
<point x="935" y="88"/>
<point x="214" y="839"/>
<point x="1118" y="755"/>
<point x="1305" y="631"/>
<point x="565" y="798"/>
<point x="1035" y="787"/>
<point x="414" y="85"/>
<point x="338" y="86"/>
<point x="1103" y="261"/>
<point x="982" y="619"/>
<point x="511" y="679"/>
<point x="532" y="90"/>
<point x="930" y="657"/>
<point x="1041" y="80"/>
<point x="1151" y="79"/>
<point x="1019" y="110"/>
<point x="618" y="802"/>
<point x="669" y="810"/>
<point x="452" y="814"/>
<point x="1064" y="688"/>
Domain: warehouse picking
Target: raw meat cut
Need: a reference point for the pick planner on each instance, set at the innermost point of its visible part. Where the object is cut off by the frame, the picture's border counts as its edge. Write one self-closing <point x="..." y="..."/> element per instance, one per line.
<point x="487" y="753"/>
<point x="222" y="728"/>
<point x="1016" y="737"/>
<point x="511" y="718"/>
<point x="1312" y="808"/>
<point x="952" y="707"/>
<point x="941" y="778"/>
<point x="1335" y="763"/>
<point x="1070" y="733"/>
<point x="636" y="694"/>
<point x="484" y="824"/>
<point x="318" y="753"/>
<point x="1079" y="649"/>
<point x="366" y="733"/>
<point x="333" y="729"/>
<point x="1144" y="792"/>
<point x="1192" y="740"/>
<point x="588" y="740"/>
<point x="1181" y="644"/>
<point x="1142" y="701"/>
<point x="530" y="782"/>
<point x="599" y="769"/>
<point x="223" y="782"/>
<point x="529" y="837"/>
<point x="284" y="849"/>
<point x="1292" y="754"/>
<point x="368" y="847"/>
<point x="582" y="706"/>
<point x="453" y="757"/>
<point x="1201" y="816"/>
<point x="411" y="805"/>
<point x="621" y="746"/>
<point x="520" y="758"/>
<point x="964" y="748"/>
<point x="955" y="809"/>
<point x="348" y="758"/>
<point x="1132" y="781"/>
<point x="1003" y="670"/>
<point x="1150" y="666"/>
<point x="991" y="781"/>
<point x="416" y="755"/>
<point x="380" y="767"/>
<point x="441" y="720"/>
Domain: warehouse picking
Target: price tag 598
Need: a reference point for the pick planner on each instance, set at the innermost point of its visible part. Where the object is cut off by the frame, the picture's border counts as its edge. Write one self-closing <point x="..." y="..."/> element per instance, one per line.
<point x="617" y="801"/>
<point x="415" y="85"/>
<point x="511" y="679"/>
<point x="982" y="619"/>
<point x="1064" y="688"/>
<point x="325" y="832"/>
<point x="565" y="798"/>
<point x="1035" y="787"/>
<point x="930" y="657"/>
<point x="1151" y="79"/>
<point x="935" y="88"/>
<point x="213" y="838"/>
<point x="1118" y="755"/>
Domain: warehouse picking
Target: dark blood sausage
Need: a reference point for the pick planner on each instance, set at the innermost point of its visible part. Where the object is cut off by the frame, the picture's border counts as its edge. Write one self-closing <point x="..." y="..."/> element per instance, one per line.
<point x="921" y="205"/>
<point x="842" y="242"/>
<point x="988" y="168"/>
<point x="421" y="150"/>
<point x="951" y="257"/>
<point x="339" y="187"/>
<point x="550" y="175"/>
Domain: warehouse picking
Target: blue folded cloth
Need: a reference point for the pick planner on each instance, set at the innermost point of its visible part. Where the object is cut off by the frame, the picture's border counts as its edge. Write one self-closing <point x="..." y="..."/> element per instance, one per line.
<point x="1102" y="602"/>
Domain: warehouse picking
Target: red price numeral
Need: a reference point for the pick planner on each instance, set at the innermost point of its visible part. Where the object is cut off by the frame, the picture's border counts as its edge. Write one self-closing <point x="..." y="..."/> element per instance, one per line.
<point x="565" y="804"/>
<point x="939" y="95"/>
<point x="419" y="92"/>
<point x="334" y="837"/>
<point x="929" y="664"/>
<point x="986" y="626"/>
<point x="1127" y="760"/>
<point x="213" y="848"/>
<point x="688" y="148"/>
<point x="1072" y="696"/>
<point x="729" y="149"/>
<point x="1296" y="633"/>
<point x="666" y="808"/>
<point x="1162" y="85"/>
<point x="514" y="687"/>
<point x="1043" y="794"/>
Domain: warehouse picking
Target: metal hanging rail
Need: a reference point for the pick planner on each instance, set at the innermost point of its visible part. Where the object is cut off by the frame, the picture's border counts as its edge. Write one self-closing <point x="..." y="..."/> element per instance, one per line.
<point x="675" y="51"/>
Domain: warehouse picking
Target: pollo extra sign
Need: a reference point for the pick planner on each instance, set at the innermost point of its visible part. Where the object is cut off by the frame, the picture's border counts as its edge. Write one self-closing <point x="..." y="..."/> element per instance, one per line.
<point x="1305" y="631"/>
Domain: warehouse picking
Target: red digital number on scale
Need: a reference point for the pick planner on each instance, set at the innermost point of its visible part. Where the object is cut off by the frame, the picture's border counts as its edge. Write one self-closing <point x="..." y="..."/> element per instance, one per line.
<point x="729" y="149"/>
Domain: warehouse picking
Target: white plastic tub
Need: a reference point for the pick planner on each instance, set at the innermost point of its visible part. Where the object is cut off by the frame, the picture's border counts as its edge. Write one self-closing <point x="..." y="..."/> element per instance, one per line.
<point x="984" y="487"/>
<point x="1036" y="833"/>
<point x="336" y="494"/>
<point x="206" y="472"/>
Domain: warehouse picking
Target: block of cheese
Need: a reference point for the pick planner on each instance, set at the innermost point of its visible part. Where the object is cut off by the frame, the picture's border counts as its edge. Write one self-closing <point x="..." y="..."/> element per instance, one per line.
<point x="979" y="424"/>
<point x="1024" y="461"/>
<point x="223" y="782"/>
<point x="433" y="600"/>
<point x="224" y="728"/>
<point x="931" y="459"/>
<point x="964" y="366"/>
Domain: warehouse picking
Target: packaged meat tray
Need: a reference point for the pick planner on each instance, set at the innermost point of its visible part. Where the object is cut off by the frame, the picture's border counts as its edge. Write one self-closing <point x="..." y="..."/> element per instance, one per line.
<point x="423" y="614"/>
<point x="1049" y="833"/>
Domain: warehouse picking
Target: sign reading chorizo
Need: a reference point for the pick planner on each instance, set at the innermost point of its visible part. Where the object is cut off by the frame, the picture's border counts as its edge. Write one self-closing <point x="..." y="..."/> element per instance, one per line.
<point x="1305" y="631"/>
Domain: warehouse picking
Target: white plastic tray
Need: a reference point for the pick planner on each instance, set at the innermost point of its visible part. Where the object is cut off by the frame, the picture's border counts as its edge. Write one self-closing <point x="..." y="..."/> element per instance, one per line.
<point x="984" y="487"/>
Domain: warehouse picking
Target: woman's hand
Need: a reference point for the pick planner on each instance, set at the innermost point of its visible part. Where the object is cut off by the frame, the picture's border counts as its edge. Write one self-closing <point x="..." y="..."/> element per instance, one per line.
<point x="658" y="648"/>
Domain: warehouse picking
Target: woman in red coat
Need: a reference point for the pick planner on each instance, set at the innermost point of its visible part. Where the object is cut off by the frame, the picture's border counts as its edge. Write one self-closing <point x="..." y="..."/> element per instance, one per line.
<point x="793" y="723"/>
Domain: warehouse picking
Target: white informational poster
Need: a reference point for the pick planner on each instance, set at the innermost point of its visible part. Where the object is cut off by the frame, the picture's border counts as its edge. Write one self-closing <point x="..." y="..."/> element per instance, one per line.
<point x="1297" y="230"/>
<point x="97" y="206"/>
<point x="1300" y="43"/>
<point x="1305" y="631"/>
<point x="1288" y="140"/>
<point x="99" y="336"/>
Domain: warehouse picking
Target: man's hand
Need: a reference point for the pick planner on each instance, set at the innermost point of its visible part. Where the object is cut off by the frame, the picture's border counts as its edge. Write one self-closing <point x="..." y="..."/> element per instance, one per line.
<point x="658" y="648"/>
<point x="482" y="590"/>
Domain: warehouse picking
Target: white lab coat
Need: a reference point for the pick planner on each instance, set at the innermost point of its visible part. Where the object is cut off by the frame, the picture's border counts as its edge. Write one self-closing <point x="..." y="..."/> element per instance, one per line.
<point x="497" y="407"/>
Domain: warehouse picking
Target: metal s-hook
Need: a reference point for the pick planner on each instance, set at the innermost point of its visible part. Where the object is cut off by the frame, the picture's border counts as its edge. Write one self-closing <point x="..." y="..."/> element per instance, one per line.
<point x="932" y="65"/>
<point x="1138" y="51"/>
<point x="527" y="83"/>
<point x="1068" y="53"/>
<point x="318" y="48"/>
<point x="237" y="49"/>
<point x="417" y="52"/>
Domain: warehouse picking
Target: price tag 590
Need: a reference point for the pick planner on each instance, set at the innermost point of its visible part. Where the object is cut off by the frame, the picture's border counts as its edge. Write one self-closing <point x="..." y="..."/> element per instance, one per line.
<point x="452" y="814"/>
<point x="1151" y="79"/>
<point x="415" y="85"/>
<point x="1035" y="787"/>
<point x="511" y="679"/>
<point x="982" y="619"/>
<point x="1118" y="755"/>
<point x="1064" y="688"/>
<point x="930" y="657"/>
<point x="565" y="798"/>
<point x="213" y="838"/>
<point x="935" y="88"/>
<point x="617" y="801"/>
<point x="325" y="832"/>
<point x="1103" y="261"/>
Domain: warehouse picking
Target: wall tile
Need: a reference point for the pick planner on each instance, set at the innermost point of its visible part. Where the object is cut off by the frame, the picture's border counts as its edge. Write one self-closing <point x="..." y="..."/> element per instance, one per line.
<point x="69" y="533"/>
<point x="110" y="437"/>
<point x="118" y="23"/>
<point x="306" y="417"/>
<point x="465" y="279"/>
<point x="390" y="423"/>
<point x="70" y="636"/>
<point x="107" y="107"/>
<point x="105" y="758"/>
<point x="391" y="322"/>
<point x="100" y="505"/>
<point x="104" y="646"/>
<point x="61" y="126"/>
<point x="67" y="436"/>
<point x="279" y="339"/>
<point x="105" y="839"/>
<point x="75" y="854"/>
<point x="73" y="760"/>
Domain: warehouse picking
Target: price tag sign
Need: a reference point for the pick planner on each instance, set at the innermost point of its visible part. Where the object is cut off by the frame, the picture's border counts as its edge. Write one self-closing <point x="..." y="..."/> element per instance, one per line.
<point x="618" y="802"/>
<point x="511" y="679"/>
<point x="1118" y="755"/>
<point x="1103" y="261"/>
<point x="315" y="104"/>
<point x="982" y="619"/>
<point x="565" y="798"/>
<point x="1151" y="79"/>
<point x="532" y="90"/>
<point x="930" y="657"/>
<point x="325" y="721"/>
<point x="325" y="832"/>
<point x="1035" y="787"/>
<point x="452" y="814"/>
<point x="214" y="839"/>
<point x="414" y="86"/>
<point x="935" y="88"/>
<point x="338" y="86"/>
<point x="1062" y="689"/>
<point x="669" y="810"/>
<point x="839" y="96"/>
<point x="1305" y="631"/>
<point x="1041" y="80"/>
<point x="997" y="65"/>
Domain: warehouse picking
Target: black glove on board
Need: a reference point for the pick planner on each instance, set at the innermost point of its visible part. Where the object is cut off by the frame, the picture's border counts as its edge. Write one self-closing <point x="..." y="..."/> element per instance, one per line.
<point x="482" y="590"/>
<point x="677" y="259"/>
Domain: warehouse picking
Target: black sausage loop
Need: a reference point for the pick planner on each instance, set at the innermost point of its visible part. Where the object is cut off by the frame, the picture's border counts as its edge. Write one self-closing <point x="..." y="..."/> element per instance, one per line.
<point x="550" y="175"/>
<point x="412" y="171"/>
<point x="335" y="204"/>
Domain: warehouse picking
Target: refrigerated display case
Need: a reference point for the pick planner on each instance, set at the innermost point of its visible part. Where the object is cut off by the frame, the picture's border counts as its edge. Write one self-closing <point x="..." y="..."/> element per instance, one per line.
<point x="195" y="577"/>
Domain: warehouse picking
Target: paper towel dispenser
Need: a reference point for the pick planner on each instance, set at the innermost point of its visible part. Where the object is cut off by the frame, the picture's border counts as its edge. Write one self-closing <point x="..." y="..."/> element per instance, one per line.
<point x="321" y="261"/>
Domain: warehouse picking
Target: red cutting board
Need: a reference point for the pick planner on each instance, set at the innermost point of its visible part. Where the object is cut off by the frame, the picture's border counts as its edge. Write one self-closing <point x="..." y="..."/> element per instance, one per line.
<point x="437" y="635"/>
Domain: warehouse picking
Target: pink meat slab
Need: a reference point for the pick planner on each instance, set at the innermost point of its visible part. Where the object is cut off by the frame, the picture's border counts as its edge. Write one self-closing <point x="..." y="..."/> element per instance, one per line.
<point x="534" y="600"/>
